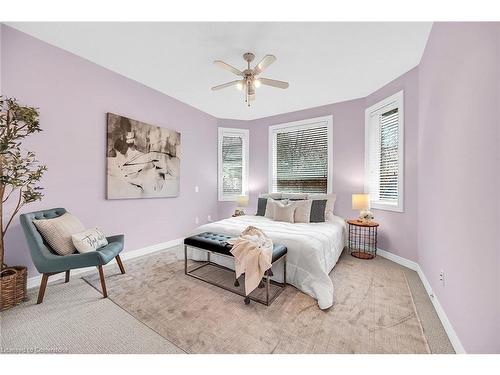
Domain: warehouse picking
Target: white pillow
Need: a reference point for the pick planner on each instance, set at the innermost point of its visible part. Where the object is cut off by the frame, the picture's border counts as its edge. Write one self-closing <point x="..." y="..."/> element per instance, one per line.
<point x="284" y="213"/>
<point x="294" y="196"/>
<point x="89" y="240"/>
<point x="270" y="206"/>
<point x="57" y="232"/>
<point x="302" y="211"/>
<point x="271" y="195"/>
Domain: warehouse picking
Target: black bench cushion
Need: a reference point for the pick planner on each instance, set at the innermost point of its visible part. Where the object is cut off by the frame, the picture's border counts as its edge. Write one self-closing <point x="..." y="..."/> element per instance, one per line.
<point x="218" y="244"/>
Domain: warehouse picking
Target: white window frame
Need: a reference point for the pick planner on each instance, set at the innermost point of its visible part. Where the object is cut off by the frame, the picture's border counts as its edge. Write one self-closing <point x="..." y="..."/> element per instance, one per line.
<point x="394" y="101"/>
<point x="299" y="125"/>
<point x="244" y="134"/>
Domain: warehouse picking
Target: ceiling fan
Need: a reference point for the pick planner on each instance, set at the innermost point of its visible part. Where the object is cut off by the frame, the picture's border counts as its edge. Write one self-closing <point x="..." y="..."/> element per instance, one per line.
<point x="249" y="80"/>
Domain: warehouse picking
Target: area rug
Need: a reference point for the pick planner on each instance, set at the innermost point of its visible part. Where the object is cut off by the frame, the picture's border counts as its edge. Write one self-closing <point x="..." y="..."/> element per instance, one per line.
<point x="373" y="311"/>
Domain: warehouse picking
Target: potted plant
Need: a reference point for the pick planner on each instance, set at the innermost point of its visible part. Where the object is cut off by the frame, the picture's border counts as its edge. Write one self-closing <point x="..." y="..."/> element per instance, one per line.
<point x="20" y="173"/>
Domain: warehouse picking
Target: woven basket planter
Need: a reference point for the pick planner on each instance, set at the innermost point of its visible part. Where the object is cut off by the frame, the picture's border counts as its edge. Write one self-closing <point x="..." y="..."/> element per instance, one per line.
<point x="13" y="286"/>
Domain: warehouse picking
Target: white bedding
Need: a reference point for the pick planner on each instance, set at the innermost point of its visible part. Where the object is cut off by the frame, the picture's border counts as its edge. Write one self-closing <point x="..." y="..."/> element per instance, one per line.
<point x="313" y="250"/>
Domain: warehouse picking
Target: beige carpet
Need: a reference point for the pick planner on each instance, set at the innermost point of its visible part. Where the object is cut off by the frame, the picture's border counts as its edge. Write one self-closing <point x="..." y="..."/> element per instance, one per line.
<point x="75" y="319"/>
<point x="373" y="311"/>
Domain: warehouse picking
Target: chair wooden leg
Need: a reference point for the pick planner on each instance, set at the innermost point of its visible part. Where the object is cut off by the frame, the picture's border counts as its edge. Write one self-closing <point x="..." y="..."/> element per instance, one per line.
<point x="43" y="286"/>
<point x="120" y="264"/>
<point x="103" y="282"/>
<point x="66" y="279"/>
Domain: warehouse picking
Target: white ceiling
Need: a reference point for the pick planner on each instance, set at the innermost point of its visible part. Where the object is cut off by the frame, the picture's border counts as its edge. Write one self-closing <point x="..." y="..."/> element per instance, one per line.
<point x="324" y="62"/>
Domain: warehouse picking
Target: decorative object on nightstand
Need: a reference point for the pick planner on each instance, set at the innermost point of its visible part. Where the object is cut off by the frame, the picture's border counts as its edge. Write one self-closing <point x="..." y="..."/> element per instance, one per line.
<point x="242" y="201"/>
<point x="362" y="241"/>
<point x="362" y="202"/>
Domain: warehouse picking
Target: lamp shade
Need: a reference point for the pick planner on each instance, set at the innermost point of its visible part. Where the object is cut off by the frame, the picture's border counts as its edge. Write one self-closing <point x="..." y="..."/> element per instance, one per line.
<point x="360" y="201"/>
<point x="242" y="200"/>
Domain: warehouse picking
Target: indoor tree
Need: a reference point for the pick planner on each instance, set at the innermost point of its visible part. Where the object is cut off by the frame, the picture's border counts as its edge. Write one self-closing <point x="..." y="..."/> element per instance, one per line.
<point x="20" y="171"/>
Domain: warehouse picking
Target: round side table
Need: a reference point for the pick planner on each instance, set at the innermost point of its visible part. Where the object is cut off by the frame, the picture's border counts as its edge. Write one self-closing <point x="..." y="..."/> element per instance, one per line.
<point x="362" y="240"/>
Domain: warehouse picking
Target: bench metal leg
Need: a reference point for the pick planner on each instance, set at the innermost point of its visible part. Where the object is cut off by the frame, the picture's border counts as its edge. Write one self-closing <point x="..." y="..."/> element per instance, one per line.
<point x="267" y="288"/>
<point x="185" y="259"/>
<point x="284" y="270"/>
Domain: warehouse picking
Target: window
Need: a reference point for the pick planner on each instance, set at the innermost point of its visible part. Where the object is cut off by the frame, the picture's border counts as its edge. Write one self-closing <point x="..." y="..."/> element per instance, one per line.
<point x="301" y="156"/>
<point x="384" y="153"/>
<point x="232" y="163"/>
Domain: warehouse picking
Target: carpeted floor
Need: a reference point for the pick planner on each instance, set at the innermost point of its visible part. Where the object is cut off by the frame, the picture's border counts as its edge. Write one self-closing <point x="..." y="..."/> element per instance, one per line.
<point x="154" y="308"/>
<point x="373" y="312"/>
<point x="74" y="318"/>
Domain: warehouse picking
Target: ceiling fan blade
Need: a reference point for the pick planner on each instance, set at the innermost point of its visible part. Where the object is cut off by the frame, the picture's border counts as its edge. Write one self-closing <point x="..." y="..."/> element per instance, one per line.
<point x="224" y="85"/>
<point x="274" y="83"/>
<point x="226" y="66"/>
<point x="264" y="63"/>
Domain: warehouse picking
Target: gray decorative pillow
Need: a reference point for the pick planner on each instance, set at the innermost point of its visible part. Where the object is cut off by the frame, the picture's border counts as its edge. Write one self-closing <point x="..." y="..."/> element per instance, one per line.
<point x="330" y="203"/>
<point x="261" y="207"/>
<point x="284" y="213"/>
<point x="318" y="211"/>
<point x="57" y="232"/>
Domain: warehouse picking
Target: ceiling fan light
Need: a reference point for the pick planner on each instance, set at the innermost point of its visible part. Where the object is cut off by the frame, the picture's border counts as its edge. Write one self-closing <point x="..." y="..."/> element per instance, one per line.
<point x="256" y="83"/>
<point x="239" y="86"/>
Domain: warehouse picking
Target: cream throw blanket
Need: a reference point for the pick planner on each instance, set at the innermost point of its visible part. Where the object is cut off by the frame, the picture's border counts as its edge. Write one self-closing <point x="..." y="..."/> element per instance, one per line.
<point x="252" y="251"/>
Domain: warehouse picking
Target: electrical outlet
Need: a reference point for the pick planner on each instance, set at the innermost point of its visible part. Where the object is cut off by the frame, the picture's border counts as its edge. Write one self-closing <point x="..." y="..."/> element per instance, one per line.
<point x="197" y="220"/>
<point x="196" y="189"/>
<point x="441" y="277"/>
<point x="209" y="218"/>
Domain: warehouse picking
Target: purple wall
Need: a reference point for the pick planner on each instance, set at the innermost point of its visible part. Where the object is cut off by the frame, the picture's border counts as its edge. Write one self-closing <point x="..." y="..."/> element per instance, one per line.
<point x="398" y="231"/>
<point x="73" y="96"/>
<point x="348" y="152"/>
<point x="458" y="177"/>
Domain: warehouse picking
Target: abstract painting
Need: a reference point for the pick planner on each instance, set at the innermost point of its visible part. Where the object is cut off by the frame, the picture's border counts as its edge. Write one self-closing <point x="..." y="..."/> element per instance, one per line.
<point x="143" y="160"/>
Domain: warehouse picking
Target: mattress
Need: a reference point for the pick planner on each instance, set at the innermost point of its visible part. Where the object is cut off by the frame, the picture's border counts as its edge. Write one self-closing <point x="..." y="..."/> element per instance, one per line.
<point x="313" y="250"/>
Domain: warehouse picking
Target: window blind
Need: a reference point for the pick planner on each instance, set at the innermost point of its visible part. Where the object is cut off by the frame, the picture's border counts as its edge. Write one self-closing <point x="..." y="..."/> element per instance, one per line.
<point x="383" y="157"/>
<point x="302" y="160"/>
<point x="232" y="165"/>
<point x="389" y="164"/>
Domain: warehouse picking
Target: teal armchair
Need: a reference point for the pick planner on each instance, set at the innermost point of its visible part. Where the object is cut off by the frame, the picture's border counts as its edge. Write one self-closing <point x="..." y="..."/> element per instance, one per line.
<point x="49" y="263"/>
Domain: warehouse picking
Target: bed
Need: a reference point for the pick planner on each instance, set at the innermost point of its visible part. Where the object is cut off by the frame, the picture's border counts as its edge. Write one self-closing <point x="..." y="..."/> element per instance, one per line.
<point x="313" y="250"/>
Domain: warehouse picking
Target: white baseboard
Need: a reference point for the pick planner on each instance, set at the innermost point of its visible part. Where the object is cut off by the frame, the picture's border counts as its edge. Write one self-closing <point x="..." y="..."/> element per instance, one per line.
<point x="34" y="282"/>
<point x="399" y="260"/>
<point x="452" y="335"/>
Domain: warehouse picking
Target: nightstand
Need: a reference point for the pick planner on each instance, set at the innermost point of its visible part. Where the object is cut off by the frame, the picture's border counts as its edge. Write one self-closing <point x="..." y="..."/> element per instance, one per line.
<point x="362" y="242"/>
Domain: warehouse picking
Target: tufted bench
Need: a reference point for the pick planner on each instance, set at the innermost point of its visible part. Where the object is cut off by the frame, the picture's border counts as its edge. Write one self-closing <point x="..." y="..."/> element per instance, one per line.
<point x="216" y="243"/>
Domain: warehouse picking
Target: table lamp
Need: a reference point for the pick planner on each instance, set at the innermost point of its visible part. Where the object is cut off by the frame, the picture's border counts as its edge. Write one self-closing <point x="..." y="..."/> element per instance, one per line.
<point x="242" y="201"/>
<point x="362" y="202"/>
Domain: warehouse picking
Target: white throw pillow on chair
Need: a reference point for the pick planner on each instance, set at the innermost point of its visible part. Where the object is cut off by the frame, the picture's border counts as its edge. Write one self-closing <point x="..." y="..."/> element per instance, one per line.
<point x="89" y="240"/>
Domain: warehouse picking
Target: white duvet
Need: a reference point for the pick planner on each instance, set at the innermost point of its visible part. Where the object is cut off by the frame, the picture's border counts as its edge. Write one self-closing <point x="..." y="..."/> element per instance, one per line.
<point x="313" y="250"/>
